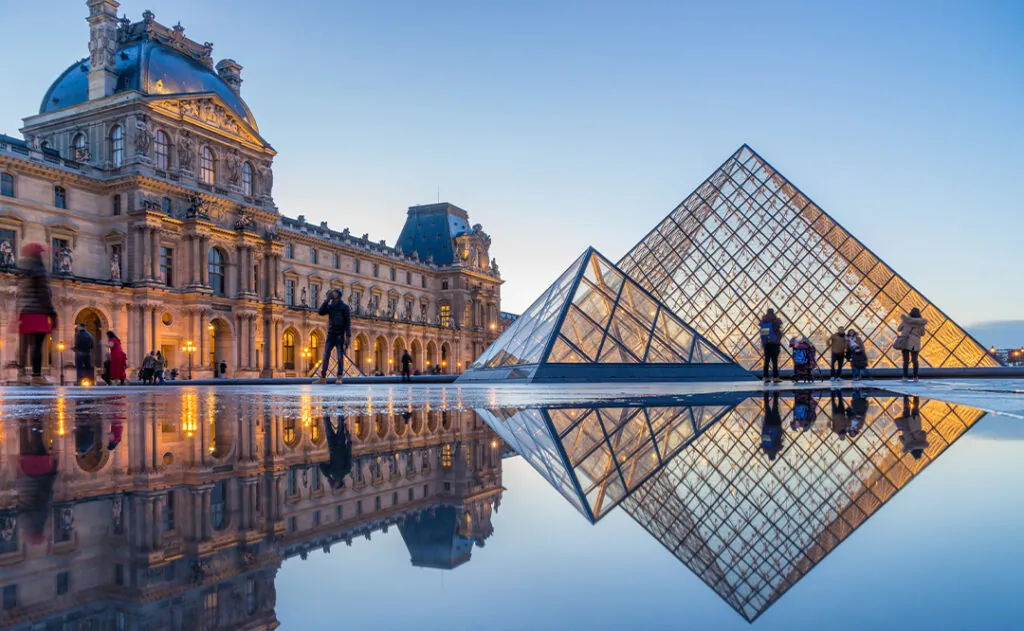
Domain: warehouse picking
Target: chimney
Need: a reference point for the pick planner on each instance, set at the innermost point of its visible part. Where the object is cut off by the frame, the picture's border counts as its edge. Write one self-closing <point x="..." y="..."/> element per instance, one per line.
<point x="230" y="73"/>
<point x="102" y="47"/>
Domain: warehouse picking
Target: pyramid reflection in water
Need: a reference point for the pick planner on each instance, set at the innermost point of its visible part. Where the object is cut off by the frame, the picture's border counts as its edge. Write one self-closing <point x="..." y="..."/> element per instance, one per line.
<point x="596" y="324"/>
<point x="748" y="239"/>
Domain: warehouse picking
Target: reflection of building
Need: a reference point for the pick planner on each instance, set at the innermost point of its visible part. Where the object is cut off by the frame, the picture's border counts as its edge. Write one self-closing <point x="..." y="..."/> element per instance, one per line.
<point x="184" y="524"/>
<point x="146" y="176"/>
<point x="747" y="239"/>
<point x="751" y="527"/>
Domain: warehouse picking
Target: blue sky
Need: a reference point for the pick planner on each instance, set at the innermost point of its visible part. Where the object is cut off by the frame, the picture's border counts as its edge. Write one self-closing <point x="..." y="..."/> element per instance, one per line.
<point x="562" y="125"/>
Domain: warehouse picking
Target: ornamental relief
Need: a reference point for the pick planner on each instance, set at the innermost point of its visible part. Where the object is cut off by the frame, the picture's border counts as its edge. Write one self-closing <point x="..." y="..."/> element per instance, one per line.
<point x="209" y="112"/>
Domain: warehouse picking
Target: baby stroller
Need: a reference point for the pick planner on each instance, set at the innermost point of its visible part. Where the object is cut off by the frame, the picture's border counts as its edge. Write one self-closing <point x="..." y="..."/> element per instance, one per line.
<point x="805" y="360"/>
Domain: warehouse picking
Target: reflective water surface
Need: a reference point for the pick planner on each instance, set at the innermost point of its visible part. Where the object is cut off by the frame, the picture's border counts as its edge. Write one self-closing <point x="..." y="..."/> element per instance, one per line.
<point x="199" y="508"/>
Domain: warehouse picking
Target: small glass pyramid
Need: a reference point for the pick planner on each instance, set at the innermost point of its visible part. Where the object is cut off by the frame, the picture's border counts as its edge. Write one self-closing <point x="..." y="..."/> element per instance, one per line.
<point x="597" y="324"/>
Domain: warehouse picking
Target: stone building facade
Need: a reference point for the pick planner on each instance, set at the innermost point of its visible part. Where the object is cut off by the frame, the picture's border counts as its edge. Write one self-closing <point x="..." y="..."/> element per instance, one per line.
<point x="184" y="523"/>
<point x="145" y="175"/>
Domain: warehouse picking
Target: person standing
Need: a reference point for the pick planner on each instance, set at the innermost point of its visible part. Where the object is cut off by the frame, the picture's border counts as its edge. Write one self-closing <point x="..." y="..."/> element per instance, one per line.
<point x="339" y="447"/>
<point x="83" y="348"/>
<point x="118" y="361"/>
<point x="36" y="316"/>
<point x="771" y="429"/>
<point x="839" y="346"/>
<point x="908" y="340"/>
<point x="771" y="344"/>
<point x="339" y="332"/>
<point x="406" y="366"/>
<point x="858" y="356"/>
<point x="912" y="434"/>
<point x="148" y="367"/>
<point x="223" y="369"/>
<point x="160" y="362"/>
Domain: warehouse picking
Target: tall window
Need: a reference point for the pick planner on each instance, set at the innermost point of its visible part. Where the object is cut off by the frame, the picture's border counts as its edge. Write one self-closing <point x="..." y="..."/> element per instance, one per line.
<point x="376" y="270"/>
<point x="444" y="284"/>
<point x="393" y="272"/>
<point x="423" y="281"/>
<point x="446" y="315"/>
<point x="206" y="166"/>
<point x="117" y="146"/>
<point x="289" y="350"/>
<point x="289" y="292"/>
<point x="167" y="513"/>
<point x="314" y="256"/>
<point x="355" y="265"/>
<point x="314" y="294"/>
<point x="116" y="205"/>
<point x="215" y="270"/>
<point x="355" y="299"/>
<point x="247" y="179"/>
<point x="408" y="278"/>
<point x="337" y="261"/>
<point x="6" y="185"/>
<point x="165" y="205"/>
<point x="423" y="312"/>
<point x="79" y="148"/>
<point x="167" y="266"/>
<point x="289" y="251"/>
<point x="218" y="505"/>
<point x="161" y="150"/>
<point x="60" y="197"/>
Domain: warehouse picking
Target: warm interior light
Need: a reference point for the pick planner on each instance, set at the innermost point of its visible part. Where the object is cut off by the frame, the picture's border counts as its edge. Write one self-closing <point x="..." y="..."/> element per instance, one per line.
<point x="60" y="346"/>
<point x="494" y="444"/>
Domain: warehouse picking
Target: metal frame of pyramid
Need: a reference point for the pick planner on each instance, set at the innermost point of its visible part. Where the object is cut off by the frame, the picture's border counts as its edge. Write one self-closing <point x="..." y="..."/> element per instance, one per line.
<point x="748" y="239"/>
<point x="597" y="455"/>
<point x="597" y="324"/>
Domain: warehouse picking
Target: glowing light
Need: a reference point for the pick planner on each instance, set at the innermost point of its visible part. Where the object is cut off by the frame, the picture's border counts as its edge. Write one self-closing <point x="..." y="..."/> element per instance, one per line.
<point x="60" y="346"/>
<point x="494" y="444"/>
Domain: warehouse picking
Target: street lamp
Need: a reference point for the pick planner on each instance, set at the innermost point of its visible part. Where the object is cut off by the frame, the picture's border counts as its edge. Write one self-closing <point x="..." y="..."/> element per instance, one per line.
<point x="60" y="348"/>
<point x="307" y="355"/>
<point x="189" y="348"/>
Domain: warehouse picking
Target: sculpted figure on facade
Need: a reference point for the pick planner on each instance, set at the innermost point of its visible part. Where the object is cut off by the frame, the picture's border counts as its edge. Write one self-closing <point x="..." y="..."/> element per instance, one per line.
<point x="64" y="259"/>
<point x="234" y="164"/>
<point x="494" y="267"/>
<point x="115" y="267"/>
<point x="186" y="156"/>
<point x="143" y="138"/>
<point x="303" y="298"/>
<point x="6" y="253"/>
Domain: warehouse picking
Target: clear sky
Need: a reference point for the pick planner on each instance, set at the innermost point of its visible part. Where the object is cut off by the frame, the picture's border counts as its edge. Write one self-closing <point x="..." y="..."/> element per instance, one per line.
<point x="559" y="125"/>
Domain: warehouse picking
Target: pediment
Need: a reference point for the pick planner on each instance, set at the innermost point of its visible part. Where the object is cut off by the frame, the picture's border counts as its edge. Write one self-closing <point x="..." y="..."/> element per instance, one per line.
<point x="210" y="111"/>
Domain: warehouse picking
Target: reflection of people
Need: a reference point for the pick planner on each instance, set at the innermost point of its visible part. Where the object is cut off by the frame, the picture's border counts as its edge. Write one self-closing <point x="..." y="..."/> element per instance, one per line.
<point x="35" y="491"/>
<point x="84" y="345"/>
<point x="840" y="421"/>
<point x="116" y="431"/>
<point x="858" y="413"/>
<point x="36" y="315"/>
<point x="912" y="433"/>
<point x="339" y="444"/>
<point x="805" y="410"/>
<point x="339" y="332"/>
<point x="771" y="430"/>
<point x="406" y="366"/>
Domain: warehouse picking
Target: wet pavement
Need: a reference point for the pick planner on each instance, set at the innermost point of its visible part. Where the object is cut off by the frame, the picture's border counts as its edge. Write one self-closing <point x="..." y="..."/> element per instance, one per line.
<point x="598" y="506"/>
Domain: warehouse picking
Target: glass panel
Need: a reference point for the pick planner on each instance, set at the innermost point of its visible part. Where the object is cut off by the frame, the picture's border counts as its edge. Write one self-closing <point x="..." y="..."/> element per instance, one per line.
<point x="562" y="353"/>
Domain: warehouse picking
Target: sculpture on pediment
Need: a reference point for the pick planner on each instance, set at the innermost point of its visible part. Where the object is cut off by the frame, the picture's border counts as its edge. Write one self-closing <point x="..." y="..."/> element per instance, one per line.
<point x="206" y="52"/>
<point x="185" y="150"/>
<point x="6" y="253"/>
<point x="64" y="259"/>
<point x="494" y="266"/>
<point x="178" y="33"/>
<point x="115" y="267"/>
<point x="189" y="108"/>
<point x="346" y="232"/>
<point x="143" y="137"/>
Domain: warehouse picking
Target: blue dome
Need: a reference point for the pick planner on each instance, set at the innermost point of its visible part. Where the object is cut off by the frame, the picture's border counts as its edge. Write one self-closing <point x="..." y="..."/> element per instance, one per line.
<point x="151" y="68"/>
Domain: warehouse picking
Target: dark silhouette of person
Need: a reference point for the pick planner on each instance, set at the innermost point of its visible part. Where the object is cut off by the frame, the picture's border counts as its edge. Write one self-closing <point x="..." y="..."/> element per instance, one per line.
<point x="35" y="486"/>
<point x="83" y="348"/>
<point x="771" y="430"/>
<point x="858" y="413"/>
<point x="339" y="332"/>
<point x="912" y="433"/>
<point x="840" y="419"/>
<point x="339" y="446"/>
<point x="406" y="366"/>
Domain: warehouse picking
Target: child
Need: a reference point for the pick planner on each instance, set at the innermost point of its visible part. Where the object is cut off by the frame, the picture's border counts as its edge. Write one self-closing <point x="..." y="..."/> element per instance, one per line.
<point x="858" y="357"/>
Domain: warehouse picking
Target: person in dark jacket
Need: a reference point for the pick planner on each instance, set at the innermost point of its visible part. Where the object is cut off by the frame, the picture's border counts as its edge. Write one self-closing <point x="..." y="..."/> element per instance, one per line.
<point x="339" y="332"/>
<point x="36" y="316"/>
<point x="83" y="348"/>
<point x="35" y="486"/>
<point x="339" y="446"/>
<point x="771" y="342"/>
<point x="406" y="366"/>
<point x="771" y="430"/>
<point x="858" y="414"/>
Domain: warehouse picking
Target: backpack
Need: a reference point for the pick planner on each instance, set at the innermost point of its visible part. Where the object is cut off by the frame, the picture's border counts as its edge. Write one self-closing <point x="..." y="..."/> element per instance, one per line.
<point x="768" y="334"/>
<point x="801" y="412"/>
<point x="801" y="356"/>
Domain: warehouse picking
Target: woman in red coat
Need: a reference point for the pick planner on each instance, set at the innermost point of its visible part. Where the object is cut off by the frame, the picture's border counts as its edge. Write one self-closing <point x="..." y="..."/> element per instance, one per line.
<point x="118" y="360"/>
<point x="36" y="315"/>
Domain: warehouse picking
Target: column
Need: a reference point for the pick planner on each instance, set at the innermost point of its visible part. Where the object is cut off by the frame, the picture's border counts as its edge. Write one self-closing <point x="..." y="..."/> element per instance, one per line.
<point x="252" y="341"/>
<point x="207" y="530"/>
<point x="267" y="333"/>
<point x="190" y="255"/>
<point x="239" y="340"/>
<point x="278" y="290"/>
<point x="154" y="239"/>
<point x="202" y="340"/>
<point x="152" y="327"/>
<point x="201" y="259"/>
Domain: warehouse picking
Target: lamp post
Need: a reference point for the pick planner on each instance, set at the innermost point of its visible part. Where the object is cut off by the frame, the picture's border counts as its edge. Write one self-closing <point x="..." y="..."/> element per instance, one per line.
<point x="60" y="349"/>
<point x="307" y="355"/>
<point x="188" y="349"/>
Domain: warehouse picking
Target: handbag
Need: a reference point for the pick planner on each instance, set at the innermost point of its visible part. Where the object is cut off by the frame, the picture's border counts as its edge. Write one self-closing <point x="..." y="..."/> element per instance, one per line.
<point x="900" y="342"/>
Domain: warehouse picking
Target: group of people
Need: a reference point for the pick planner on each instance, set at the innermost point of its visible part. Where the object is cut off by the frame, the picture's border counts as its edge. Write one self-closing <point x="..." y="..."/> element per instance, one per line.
<point x="845" y="346"/>
<point x="153" y="365"/>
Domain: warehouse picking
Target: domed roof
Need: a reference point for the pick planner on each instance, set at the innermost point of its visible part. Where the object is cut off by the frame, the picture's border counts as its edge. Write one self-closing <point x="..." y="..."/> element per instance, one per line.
<point x="151" y="68"/>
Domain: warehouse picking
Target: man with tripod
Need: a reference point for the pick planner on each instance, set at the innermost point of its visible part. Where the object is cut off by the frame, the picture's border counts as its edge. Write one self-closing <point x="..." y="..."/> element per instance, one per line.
<point x="339" y="332"/>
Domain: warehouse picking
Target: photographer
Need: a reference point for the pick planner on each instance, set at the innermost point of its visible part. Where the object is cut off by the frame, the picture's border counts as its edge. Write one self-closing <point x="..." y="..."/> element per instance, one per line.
<point x="339" y="331"/>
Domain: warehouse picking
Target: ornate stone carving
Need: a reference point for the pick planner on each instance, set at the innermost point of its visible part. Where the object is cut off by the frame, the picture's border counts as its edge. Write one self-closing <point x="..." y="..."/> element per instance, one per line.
<point x="186" y="150"/>
<point x="8" y="527"/>
<point x="64" y="259"/>
<point x="115" y="268"/>
<point x="143" y="137"/>
<point x="197" y="208"/>
<point x="6" y="253"/>
<point x="244" y="222"/>
<point x="102" y="46"/>
<point x="494" y="267"/>
<point x="234" y="165"/>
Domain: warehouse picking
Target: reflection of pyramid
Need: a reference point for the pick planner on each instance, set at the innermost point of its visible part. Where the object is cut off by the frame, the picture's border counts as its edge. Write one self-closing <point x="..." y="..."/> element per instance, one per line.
<point x="751" y="527"/>
<point x="596" y="324"/>
<point x="597" y="456"/>
<point x="747" y="239"/>
<point x="351" y="368"/>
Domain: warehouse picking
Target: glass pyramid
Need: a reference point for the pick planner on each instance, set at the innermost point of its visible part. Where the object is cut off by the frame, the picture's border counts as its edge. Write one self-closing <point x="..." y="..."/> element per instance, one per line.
<point x="596" y="456"/>
<point x="751" y="526"/>
<point x="747" y="239"/>
<point x="596" y="324"/>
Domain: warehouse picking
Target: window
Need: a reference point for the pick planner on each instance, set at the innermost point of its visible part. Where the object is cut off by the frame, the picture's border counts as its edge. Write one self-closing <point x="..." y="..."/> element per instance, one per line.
<point x="392" y="305"/>
<point x="356" y="299"/>
<point x="80" y="148"/>
<point x="314" y="294"/>
<point x="206" y="170"/>
<point x="423" y="282"/>
<point x="119" y="574"/>
<point x="444" y="284"/>
<point x="423" y="311"/>
<point x="337" y="261"/>
<point x="165" y="205"/>
<point x="316" y="518"/>
<point x="167" y="513"/>
<point x="314" y="256"/>
<point x="446" y="315"/>
<point x="410" y="495"/>
<point x="426" y="488"/>
<point x="376" y="270"/>
<point x="211" y="609"/>
<point x="247" y="179"/>
<point x="161" y="151"/>
<point x="251" y="596"/>
<point x="6" y="185"/>
<point x="359" y="507"/>
<point x="376" y="503"/>
<point x="315" y="473"/>
<point x="292" y="482"/>
<point x="10" y="596"/>
<point x="218" y="505"/>
<point x="289" y="251"/>
<point x="394" y="498"/>
<point x="292" y="524"/>
<point x="289" y="292"/>
<point x="63" y="579"/>
<point x="167" y="266"/>
<point x="117" y="146"/>
<point x="215" y="270"/>
<point x="169" y="572"/>
<point x="408" y="308"/>
<point x="393" y="272"/>
<point x="355" y="265"/>
<point x="289" y="351"/>
<point x="60" y="197"/>
<point x="408" y="278"/>
<point x="466" y="321"/>
<point x="115" y="207"/>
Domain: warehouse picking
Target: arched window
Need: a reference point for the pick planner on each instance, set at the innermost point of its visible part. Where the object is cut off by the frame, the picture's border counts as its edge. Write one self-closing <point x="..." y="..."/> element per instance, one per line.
<point x="117" y="146"/>
<point x="161" y="150"/>
<point x="247" y="179"/>
<point x="215" y="270"/>
<point x="219" y="505"/>
<point x="80" y="148"/>
<point x="289" y="350"/>
<point x="206" y="170"/>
